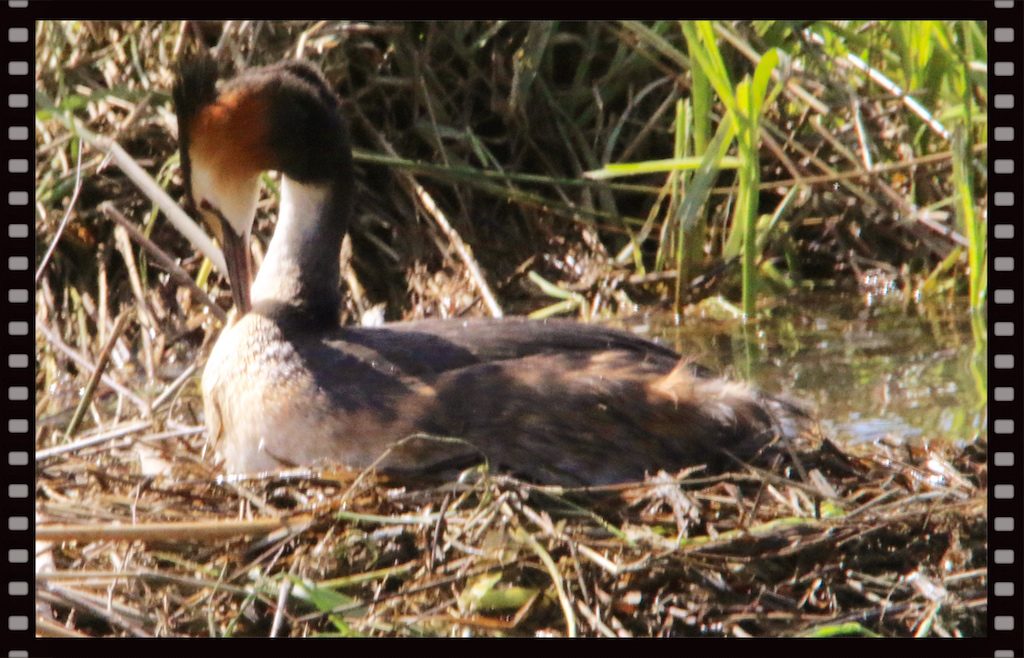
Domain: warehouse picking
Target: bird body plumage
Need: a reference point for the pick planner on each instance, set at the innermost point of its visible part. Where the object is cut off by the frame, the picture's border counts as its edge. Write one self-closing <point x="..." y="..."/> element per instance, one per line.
<point x="556" y="401"/>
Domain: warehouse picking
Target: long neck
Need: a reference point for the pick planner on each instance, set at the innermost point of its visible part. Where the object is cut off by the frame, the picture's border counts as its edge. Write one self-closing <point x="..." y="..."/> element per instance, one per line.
<point x="300" y="273"/>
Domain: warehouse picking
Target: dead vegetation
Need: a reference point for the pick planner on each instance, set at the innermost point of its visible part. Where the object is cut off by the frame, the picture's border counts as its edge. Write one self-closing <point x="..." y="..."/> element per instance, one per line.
<point x="826" y="543"/>
<point x="887" y="540"/>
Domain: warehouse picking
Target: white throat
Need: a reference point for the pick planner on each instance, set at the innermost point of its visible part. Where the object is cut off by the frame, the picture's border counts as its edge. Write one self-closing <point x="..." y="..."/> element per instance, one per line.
<point x="279" y="275"/>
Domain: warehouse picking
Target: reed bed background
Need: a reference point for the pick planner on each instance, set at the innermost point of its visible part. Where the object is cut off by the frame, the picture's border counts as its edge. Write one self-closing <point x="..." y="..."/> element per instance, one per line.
<point x="547" y="168"/>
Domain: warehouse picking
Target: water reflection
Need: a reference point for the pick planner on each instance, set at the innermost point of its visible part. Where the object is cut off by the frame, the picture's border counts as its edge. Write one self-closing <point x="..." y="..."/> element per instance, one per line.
<point x="907" y="373"/>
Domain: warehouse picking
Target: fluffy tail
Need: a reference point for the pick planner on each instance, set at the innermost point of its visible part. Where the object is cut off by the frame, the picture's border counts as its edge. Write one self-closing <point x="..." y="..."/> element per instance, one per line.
<point x="734" y="419"/>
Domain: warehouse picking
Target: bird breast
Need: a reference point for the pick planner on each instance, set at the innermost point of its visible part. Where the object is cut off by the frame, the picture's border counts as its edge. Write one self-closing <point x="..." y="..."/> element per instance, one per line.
<point x="264" y="410"/>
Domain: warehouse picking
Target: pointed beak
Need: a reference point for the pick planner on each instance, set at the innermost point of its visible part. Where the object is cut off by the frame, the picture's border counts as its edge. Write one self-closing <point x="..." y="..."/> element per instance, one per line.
<point x="236" y="255"/>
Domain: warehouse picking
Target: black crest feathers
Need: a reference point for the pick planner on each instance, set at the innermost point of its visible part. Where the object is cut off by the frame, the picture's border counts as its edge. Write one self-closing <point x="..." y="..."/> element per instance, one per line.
<point x="195" y="87"/>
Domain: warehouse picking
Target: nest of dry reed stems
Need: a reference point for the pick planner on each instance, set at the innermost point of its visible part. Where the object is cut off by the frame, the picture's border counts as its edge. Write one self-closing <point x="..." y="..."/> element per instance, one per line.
<point x="887" y="540"/>
<point x="825" y="542"/>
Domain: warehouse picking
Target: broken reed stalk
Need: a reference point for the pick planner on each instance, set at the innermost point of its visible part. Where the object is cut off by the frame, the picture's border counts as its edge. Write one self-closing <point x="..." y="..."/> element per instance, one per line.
<point x="143" y="312"/>
<point x="110" y="435"/>
<point x="64" y="221"/>
<point x="145" y="183"/>
<point x="162" y="259"/>
<point x="202" y="530"/>
<point x="94" y="378"/>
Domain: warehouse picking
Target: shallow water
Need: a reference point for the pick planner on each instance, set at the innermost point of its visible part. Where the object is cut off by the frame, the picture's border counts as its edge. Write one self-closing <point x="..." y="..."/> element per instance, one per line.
<point x="867" y="372"/>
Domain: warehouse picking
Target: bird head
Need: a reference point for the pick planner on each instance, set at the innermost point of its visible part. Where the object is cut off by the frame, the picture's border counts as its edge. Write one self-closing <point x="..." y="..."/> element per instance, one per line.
<point x="282" y="117"/>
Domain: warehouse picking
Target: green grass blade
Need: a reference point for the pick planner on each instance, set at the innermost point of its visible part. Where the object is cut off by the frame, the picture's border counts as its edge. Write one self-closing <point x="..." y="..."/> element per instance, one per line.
<point x="619" y="169"/>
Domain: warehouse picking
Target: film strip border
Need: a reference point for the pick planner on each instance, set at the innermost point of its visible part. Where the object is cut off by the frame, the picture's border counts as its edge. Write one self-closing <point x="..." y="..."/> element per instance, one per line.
<point x="1006" y="326"/>
<point x="1006" y="160"/>
<point x="18" y="324"/>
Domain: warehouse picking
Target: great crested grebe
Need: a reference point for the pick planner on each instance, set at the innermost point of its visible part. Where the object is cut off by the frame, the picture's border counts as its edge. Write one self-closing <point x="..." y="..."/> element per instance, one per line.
<point x="555" y="402"/>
